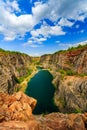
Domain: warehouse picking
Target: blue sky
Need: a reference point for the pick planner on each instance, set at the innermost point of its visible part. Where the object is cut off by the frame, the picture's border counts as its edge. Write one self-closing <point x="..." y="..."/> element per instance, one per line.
<point x="38" y="27"/>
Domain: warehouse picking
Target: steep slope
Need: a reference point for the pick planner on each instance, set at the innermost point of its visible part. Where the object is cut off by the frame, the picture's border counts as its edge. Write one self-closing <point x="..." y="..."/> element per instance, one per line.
<point x="69" y="69"/>
<point x="71" y="94"/>
<point x="12" y="67"/>
<point x="74" y="59"/>
<point x="16" y="114"/>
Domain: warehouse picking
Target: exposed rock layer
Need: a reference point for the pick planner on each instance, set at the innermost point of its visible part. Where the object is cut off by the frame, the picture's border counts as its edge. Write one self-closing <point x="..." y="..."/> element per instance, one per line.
<point x="16" y="107"/>
<point x="71" y="94"/>
<point x="58" y="121"/>
<point x="75" y="60"/>
<point x="16" y="114"/>
<point x="12" y="66"/>
<point x="69" y="69"/>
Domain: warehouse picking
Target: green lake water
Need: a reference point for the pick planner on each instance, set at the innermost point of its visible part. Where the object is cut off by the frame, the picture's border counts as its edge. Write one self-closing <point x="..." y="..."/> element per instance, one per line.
<point x="41" y="88"/>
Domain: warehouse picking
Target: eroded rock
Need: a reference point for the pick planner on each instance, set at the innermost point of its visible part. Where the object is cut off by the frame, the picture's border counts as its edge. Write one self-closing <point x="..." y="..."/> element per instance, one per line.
<point x="16" y="107"/>
<point x="59" y="121"/>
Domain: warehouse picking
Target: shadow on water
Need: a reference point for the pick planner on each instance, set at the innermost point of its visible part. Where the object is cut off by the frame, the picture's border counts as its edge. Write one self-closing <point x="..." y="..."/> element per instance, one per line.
<point x="41" y="88"/>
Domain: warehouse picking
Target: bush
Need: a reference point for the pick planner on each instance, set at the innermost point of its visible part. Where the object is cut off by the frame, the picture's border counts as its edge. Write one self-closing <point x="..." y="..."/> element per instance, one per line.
<point x="77" y="110"/>
<point x="62" y="71"/>
<point x="25" y="76"/>
<point x="70" y="73"/>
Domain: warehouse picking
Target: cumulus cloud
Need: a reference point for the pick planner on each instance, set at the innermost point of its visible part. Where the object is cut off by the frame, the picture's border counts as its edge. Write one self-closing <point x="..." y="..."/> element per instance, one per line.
<point x="34" y="42"/>
<point x="69" y="9"/>
<point x="12" y="6"/>
<point x="65" y="22"/>
<point x="13" y="26"/>
<point x="47" y="31"/>
<point x="40" y="10"/>
<point x="30" y="43"/>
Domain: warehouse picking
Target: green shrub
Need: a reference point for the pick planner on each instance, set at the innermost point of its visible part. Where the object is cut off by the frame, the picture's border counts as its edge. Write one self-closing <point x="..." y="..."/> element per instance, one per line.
<point x="70" y="73"/>
<point x="25" y="76"/>
<point x="77" y="47"/>
<point x="62" y="71"/>
<point x="77" y="111"/>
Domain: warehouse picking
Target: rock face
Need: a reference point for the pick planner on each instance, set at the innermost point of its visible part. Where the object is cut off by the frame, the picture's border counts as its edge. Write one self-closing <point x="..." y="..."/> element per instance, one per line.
<point x="16" y="112"/>
<point x="58" y="121"/>
<point x="75" y="60"/>
<point x="69" y="69"/>
<point x="12" y="66"/>
<point x="53" y="121"/>
<point x="71" y="94"/>
<point x="20" y="125"/>
<point x="16" y="107"/>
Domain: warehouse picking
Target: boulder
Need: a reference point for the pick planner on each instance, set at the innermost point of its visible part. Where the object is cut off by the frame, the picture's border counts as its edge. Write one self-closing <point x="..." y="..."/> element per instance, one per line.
<point x="19" y="125"/>
<point x="16" y="107"/>
<point x="59" y="121"/>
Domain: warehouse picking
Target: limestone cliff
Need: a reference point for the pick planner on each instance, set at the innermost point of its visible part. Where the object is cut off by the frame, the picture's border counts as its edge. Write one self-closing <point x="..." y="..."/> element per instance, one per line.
<point x="69" y="69"/>
<point x="75" y="59"/>
<point x="12" y="66"/>
<point x="16" y="114"/>
<point x="71" y="94"/>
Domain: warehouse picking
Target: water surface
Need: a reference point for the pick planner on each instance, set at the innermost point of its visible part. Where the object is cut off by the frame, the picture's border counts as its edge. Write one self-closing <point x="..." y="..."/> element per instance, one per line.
<point x="41" y="88"/>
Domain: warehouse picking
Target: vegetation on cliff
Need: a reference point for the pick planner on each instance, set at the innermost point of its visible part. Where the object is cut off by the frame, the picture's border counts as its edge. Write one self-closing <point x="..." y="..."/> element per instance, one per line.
<point x="17" y="69"/>
<point x="11" y="52"/>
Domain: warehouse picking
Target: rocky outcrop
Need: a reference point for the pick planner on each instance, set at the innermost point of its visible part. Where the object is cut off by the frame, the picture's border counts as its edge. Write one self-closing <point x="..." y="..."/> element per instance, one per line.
<point x="20" y="125"/>
<point x="69" y="69"/>
<point x="75" y="60"/>
<point x="16" y="112"/>
<point x="71" y="94"/>
<point x="12" y="66"/>
<point x="58" y="121"/>
<point x="16" y="107"/>
<point x="53" y="121"/>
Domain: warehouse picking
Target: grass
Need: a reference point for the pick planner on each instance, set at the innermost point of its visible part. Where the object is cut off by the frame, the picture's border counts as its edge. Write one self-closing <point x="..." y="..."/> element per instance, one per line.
<point x="77" y="47"/>
<point x="67" y="72"/>
<point x="11" y="52"/>
<point x="21" y="79"/>
<point x="70" y="73"/>
<point x="72" y="48"/>
<point x="77" y="111"/>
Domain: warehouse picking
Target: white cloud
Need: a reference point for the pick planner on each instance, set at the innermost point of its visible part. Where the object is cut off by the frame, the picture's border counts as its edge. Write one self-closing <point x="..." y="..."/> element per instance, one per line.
<point x="67" y="45"/>
<point x="12" y="6"/>
<point x="14" y="26"/>
<point x="40" y="10"/>
<point x="38" y="40"/>
<point x="34" y="42"/>
<point x="47" y="31"/>
<point x="30" y="43"/>
<point x="68" y="9"/>
<point x="65" y="22"/>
